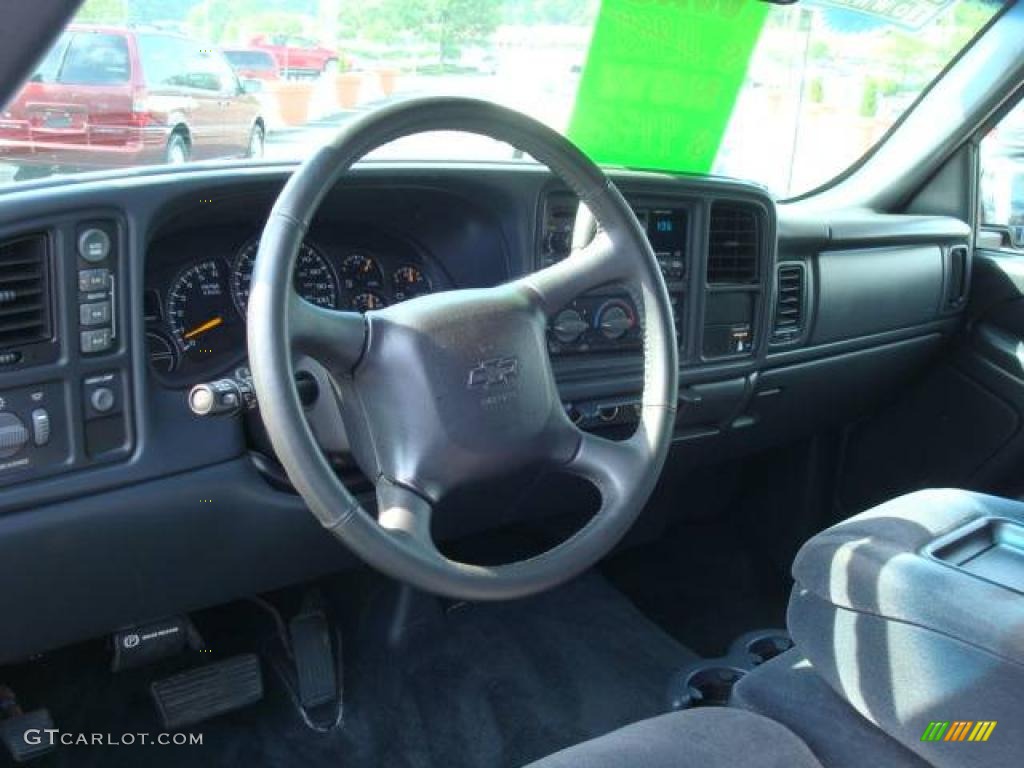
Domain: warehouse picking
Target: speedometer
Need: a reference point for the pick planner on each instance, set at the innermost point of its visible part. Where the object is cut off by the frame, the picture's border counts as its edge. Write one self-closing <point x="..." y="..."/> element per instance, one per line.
<point x="199" y="311"/>
<point x="314" y="279"/>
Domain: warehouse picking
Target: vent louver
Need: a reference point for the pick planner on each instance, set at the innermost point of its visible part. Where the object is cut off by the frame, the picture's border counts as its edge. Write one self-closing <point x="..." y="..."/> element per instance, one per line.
<point x="789" y="303"/>
<point x="24" y="292"/>
<point x="733" y="243"/>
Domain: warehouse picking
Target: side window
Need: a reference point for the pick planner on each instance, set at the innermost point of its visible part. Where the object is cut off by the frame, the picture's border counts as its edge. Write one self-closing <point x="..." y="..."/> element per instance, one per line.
<point x="204" y="72"/>
<point x="163" y="60"/>
<point x="96" y="59"/>
<point x="1002" y="179"/>
<point x="46" y="72"/>
<point x="225" y="72"/>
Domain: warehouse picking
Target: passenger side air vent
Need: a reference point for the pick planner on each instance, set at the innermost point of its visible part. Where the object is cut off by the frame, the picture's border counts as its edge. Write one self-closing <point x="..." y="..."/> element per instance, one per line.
<point x="733" y="244"/>
<point x="24" y="292"/>
<point x="789" y="303"/>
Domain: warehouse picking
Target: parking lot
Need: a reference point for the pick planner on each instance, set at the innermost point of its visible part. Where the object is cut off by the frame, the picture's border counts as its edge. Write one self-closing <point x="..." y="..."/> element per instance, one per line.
<point x="335" y="100"/>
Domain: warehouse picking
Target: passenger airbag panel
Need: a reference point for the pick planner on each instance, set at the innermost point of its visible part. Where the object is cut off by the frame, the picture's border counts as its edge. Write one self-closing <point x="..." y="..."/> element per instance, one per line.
<point x="873" y="290"/>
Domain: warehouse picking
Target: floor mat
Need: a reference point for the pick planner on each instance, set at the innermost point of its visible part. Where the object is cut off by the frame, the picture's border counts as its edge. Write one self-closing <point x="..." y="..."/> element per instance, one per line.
<point x="702" y="586"/>
<point x="497" y="685"/>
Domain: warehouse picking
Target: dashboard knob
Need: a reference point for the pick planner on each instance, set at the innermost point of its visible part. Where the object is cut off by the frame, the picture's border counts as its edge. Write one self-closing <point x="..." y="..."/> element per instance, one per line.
<point x="614" y="320"/>
<point x="13" y="435"/>
<point x="102" y="399"/>
<point x="568" y="326"/>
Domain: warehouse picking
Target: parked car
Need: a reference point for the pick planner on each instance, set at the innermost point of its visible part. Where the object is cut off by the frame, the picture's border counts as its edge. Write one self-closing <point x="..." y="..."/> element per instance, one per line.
<point x="254" y="68"/>
<point x="298" y="56"/>
<point x="119" y="96"/>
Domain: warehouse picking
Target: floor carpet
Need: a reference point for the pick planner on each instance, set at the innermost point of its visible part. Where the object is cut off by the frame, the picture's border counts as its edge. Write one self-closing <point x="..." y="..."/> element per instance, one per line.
<point x="703" y="585"/>
<point x="490" y="685"/>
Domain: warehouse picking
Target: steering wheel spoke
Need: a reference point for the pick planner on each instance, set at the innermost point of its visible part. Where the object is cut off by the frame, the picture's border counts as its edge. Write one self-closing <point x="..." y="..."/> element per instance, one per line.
<point x="611" y="465"/>
<point x="333" y="337"/>
<point x="593" y="266"/>
<point x="407" y="516"/>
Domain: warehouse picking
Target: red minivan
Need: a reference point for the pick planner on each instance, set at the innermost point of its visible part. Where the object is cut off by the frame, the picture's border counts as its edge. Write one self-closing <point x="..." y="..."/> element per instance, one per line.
<point x="113" y="97"/>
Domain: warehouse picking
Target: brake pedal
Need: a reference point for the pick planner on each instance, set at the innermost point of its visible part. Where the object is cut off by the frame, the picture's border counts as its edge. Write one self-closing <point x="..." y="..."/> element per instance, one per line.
<point x="215" y="689"/>
<point x="15" y="726"/>
<point x="314" y="658"/>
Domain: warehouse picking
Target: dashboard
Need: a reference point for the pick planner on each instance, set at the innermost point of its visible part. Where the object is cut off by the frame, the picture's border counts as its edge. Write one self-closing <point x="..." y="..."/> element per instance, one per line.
<point x="122" y="295"/>
<point x="197" y="289"/>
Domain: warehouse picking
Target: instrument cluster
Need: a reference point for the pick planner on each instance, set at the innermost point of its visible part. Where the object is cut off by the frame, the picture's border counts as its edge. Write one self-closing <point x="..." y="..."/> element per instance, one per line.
<point x="196" y="315"/>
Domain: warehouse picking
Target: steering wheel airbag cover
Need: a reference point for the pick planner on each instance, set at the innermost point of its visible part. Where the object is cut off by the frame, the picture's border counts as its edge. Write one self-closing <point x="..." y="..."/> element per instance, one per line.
<point x="457" y="387"/>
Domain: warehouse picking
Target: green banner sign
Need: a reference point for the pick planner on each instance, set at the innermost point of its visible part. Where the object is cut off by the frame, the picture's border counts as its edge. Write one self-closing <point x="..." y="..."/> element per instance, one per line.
<point x="661" y="80"/>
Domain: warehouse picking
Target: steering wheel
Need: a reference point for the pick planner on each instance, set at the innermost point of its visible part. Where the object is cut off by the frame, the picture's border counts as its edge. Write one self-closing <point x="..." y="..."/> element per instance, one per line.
<point x="457" y="387"/>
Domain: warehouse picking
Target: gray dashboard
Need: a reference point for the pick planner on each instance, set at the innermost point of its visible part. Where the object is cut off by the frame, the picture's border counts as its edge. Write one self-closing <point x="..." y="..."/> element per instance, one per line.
<point x="134" y="512"/>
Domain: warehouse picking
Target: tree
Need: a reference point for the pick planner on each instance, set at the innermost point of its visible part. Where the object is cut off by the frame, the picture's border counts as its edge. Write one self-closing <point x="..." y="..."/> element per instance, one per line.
<point x="447" y="24"/>
<point x="102" y="12"/>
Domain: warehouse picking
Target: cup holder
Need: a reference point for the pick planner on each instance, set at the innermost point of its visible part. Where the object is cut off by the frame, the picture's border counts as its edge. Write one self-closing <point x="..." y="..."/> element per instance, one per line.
<point x="767" y="647"/>
<point x="707" y="684"/>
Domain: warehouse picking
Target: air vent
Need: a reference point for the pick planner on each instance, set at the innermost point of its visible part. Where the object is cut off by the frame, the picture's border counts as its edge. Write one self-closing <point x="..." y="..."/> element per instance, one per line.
<point x="789" y="303"/>
<point x="732" y="244"/>
<point x="559" y="220"/>
<point x="24" y="292"/>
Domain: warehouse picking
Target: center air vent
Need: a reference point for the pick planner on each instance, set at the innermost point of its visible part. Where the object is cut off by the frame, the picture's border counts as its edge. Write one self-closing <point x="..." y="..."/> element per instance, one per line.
<point x="24" y="292"/>
<point x="789" y="303"/>
<point x="732" y="244"/>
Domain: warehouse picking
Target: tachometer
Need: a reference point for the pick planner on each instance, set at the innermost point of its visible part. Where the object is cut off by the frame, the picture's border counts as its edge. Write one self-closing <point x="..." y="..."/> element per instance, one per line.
<point x="199" y="311"/>
<point x="408" y="282"/>
<point x="314" y="279"/>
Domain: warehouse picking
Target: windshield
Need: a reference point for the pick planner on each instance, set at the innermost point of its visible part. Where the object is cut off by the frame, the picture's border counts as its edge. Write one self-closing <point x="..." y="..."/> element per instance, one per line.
<point x="785" y="95"/>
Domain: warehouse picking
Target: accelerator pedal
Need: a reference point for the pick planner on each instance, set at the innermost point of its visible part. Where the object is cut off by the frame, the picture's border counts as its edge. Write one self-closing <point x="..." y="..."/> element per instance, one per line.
<point x="314" y="658"/>
<point x="204" y="692"/>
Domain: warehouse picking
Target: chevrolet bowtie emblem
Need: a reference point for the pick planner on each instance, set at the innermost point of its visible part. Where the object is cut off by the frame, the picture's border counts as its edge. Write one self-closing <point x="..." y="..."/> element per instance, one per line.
<point x="493" y="373"/>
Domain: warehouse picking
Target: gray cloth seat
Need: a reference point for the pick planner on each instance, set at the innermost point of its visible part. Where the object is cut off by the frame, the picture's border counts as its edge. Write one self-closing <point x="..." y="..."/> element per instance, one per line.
<point x="908" y="638"/>
<point x="788" y="690"/>
<point x="701" y="738"/>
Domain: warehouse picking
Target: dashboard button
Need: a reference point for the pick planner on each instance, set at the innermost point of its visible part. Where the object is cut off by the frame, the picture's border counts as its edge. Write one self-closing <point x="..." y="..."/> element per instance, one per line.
<point x="97" y="313"/>
<point x="99" y="340"/>
<point x="103" y="399"/>
<point x="40" y="426"/>
<point x="93" y="279"/>
<point x="13" y="435"/>
<point x="94" y="245"/>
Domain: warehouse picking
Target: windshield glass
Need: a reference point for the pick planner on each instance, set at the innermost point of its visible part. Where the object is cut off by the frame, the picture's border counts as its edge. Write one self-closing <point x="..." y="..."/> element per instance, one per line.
<point x="785" y="95"/>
